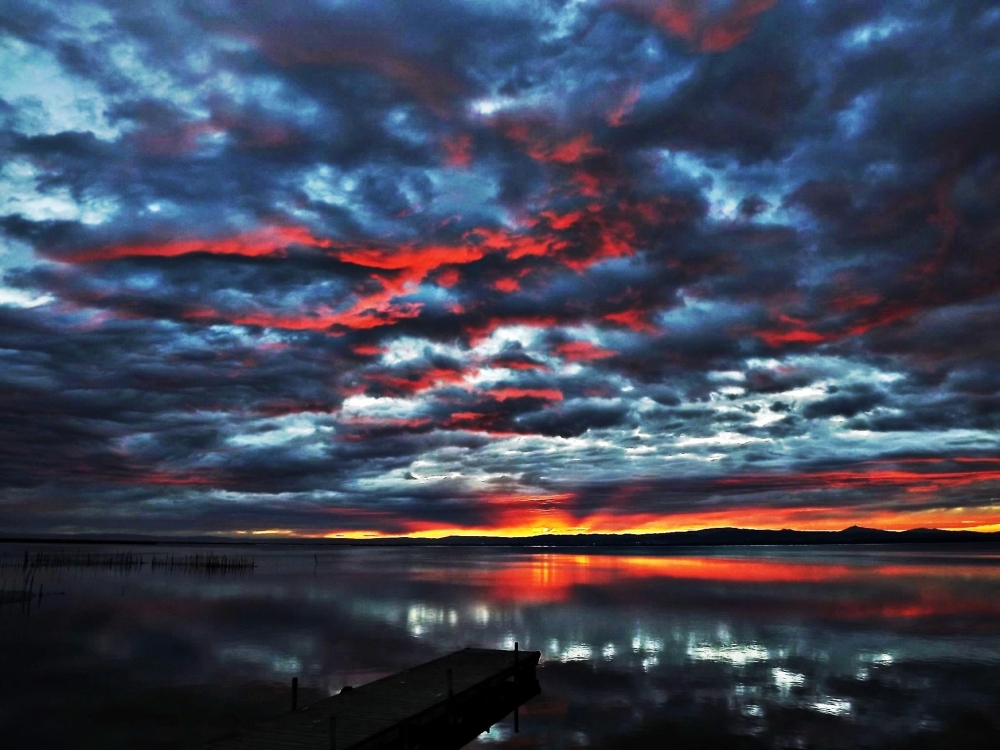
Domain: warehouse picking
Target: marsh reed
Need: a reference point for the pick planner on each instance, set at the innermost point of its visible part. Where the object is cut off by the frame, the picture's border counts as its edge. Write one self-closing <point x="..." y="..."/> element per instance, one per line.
<point x="125" y="562"/>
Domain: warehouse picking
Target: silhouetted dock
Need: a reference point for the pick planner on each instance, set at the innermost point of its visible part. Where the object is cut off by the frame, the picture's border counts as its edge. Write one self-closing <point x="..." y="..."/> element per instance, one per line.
<point x="442" y="704"/>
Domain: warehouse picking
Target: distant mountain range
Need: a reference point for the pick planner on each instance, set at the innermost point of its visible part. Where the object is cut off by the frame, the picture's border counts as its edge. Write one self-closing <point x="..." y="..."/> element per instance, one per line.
<point x="700" y="538"/>
<point x="710" y="538"/>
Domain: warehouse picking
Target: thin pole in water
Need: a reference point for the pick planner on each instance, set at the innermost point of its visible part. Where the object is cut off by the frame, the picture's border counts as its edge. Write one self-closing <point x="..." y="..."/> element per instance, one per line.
<point x="295" y="693"/>
<point x="333" y="732"/>
<point x="515" y="663"/>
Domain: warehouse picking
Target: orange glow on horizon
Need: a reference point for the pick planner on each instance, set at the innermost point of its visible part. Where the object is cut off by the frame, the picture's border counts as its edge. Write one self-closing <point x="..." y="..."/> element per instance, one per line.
<point x="519" y="515"/>
<point x="523" y="520"/>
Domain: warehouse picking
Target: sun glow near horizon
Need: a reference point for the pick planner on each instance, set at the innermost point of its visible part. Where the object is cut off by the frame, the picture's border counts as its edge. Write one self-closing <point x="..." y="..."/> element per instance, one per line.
<point x="762" y="520"/>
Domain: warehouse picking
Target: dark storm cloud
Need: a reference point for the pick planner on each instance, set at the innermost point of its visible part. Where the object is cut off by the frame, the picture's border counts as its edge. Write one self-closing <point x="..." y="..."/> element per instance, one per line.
<point x="845" y="404"/>
<point x="412" y="266"/>
<point x="745" y="104"/>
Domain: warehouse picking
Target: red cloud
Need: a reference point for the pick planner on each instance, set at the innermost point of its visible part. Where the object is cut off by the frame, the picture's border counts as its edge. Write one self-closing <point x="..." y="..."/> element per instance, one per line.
<point x="568" y="152"/>
<point x="433" y="378"/>
<point x="637" y="320"/>
<point x="464" y="416"/>
<point x="448" y="278"/>
<point x="516" y="246"/>
<point x="563" y="221"/>
<point x="368" y="350"/>
<point x="699" y="23"/>
<point x="599" y="234"/>
<point x="872" y="315"/>
<point x="489" y="424"/>
<point x="415" y="261"/>
<point x="578" y="239"/>
<point x="512" y="363"/>
<point x="536" y="139"/>
<point x="910" y="481"/>
<point x="506" y="285"/>
<point x="890" y="313"/>
<point x="458" y="150"/>
<point x="582" y="351"/>
<point x="588" y="185"/>
<point x="548" y="394"/>
<point x="168" y="478"/>
<point x="854" y="301"/>
<point x="618" y="114"/>
<point x="267" y="241"/>
<point x="779" y="338"/>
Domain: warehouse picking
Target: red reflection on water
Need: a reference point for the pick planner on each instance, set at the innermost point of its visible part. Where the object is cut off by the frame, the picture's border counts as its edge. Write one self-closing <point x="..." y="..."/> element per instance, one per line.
<point x="938" y="604"/>
<point x="838" y="590"/>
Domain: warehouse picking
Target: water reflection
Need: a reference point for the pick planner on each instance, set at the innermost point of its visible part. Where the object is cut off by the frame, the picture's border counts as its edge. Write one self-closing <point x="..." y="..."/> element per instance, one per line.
<point x="759" y="647"/>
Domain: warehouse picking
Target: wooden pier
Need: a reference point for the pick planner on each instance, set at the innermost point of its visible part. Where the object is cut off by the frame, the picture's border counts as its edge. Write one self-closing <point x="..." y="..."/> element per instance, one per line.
<point x="443" y="704"/>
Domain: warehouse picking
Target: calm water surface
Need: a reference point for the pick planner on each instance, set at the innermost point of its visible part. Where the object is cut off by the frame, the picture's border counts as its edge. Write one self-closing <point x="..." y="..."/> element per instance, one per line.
<point x="876" y="647"/>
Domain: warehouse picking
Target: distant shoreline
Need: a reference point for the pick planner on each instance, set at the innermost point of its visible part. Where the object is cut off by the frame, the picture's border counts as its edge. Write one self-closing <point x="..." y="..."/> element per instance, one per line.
<point x="724" y="537"/>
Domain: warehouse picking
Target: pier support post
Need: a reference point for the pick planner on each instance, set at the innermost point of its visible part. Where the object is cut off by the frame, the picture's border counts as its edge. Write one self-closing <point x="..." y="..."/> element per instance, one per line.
<point x="517" y="676"/>
<point x="333" y="732"/>
<point x="295" y="693"/>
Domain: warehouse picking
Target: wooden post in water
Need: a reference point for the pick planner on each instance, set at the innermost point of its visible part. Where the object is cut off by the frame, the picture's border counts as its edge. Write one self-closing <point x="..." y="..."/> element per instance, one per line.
<point x="295" y="693"/>
<point x="333" y="732"/>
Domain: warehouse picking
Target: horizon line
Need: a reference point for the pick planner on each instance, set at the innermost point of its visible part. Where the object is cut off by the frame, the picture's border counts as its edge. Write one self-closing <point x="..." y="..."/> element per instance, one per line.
<point x="269" y="536"/>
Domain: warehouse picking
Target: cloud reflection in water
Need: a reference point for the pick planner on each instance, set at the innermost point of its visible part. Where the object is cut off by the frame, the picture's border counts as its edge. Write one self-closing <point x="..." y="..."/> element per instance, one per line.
<point x="821" y="648"/>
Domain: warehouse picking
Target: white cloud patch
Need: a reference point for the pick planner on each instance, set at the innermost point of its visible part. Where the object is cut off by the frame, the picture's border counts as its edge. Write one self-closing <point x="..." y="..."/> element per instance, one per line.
<point x="48" y="99"/>
<point x="22" y="194"/>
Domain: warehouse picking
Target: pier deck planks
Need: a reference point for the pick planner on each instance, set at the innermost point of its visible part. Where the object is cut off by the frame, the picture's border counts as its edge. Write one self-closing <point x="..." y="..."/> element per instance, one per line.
<point x="383" y="712"/>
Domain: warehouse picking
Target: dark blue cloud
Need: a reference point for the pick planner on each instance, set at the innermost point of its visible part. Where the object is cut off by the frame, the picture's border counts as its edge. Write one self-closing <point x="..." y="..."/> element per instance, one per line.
<point x="391" y="267"/>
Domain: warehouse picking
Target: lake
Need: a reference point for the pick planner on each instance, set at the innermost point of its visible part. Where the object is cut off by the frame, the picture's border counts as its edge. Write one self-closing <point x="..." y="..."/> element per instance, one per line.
<point x="770" y="647"/>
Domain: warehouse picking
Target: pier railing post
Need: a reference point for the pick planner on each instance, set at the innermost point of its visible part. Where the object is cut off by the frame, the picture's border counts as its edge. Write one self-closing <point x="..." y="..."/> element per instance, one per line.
<point x="517" y="681"/>
<point x="295" y="693"/>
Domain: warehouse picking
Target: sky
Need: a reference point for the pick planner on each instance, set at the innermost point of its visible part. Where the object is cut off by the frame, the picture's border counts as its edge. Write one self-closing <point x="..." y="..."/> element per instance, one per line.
<point x="355" y="268"/>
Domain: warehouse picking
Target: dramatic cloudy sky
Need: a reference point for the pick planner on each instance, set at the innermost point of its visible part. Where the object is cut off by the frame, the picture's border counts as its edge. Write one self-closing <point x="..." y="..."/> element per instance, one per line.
<point x="427" y="266"/>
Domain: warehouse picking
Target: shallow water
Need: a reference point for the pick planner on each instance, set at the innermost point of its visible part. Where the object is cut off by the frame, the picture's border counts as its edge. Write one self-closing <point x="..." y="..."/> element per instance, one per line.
<point x="730" y="647"/>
